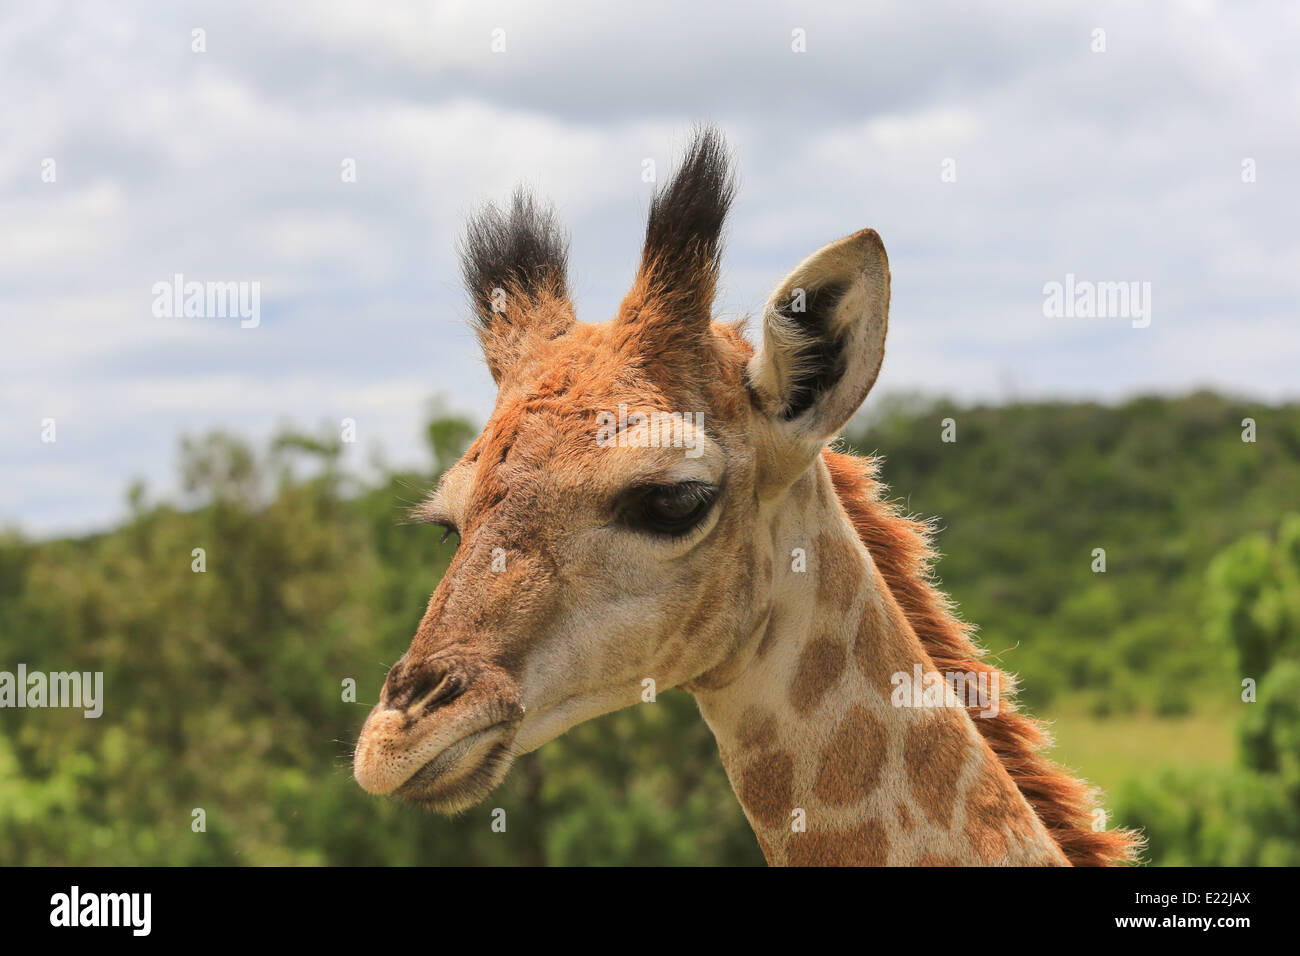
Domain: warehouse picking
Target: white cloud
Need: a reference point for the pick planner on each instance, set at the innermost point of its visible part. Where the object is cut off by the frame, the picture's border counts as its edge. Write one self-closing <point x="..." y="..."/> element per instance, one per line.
<point x="226" y="165"/>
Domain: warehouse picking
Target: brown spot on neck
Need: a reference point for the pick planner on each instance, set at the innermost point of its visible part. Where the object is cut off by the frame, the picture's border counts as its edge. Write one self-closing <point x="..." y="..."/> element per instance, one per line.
<point x="995" y="813"/>
<point x="935" y="748"/>
<point x="757" y="729"/>
<point x="820" y="667"/>
<point x="765" y="788"/>
<point x="886" y="644"/>
<point x="866" y="844"/>
<point x="853" y="759"/>
<point x="839" y="571"/>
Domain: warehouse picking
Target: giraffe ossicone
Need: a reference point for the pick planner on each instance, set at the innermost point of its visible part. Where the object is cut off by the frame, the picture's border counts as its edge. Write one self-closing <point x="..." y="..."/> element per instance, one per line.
<point x="761" y="572"/>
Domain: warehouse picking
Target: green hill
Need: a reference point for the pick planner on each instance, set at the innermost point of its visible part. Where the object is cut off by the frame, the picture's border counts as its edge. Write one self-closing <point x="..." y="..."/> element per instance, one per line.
<point x="226" y="690"/>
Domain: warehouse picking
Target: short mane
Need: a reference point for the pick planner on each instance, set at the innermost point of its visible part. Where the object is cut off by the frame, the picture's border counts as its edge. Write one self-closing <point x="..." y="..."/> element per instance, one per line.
<point x="901" y="549"/>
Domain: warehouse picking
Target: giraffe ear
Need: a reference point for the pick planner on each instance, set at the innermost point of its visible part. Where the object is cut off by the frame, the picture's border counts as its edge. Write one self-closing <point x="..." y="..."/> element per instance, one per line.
<point x="823" y="342"/>
<point x="515" y="264"/>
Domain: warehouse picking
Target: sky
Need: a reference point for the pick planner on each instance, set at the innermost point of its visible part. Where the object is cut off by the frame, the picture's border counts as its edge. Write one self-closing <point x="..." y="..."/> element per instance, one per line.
<point x="329" y="152"/>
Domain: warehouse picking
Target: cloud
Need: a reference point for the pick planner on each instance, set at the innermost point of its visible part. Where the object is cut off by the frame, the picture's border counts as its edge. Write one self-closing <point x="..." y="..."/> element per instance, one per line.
<point x="227" y="165"/>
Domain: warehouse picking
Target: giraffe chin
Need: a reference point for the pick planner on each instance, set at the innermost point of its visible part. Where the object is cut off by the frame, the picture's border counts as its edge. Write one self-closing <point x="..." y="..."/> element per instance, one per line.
<point x="462" y="774"/>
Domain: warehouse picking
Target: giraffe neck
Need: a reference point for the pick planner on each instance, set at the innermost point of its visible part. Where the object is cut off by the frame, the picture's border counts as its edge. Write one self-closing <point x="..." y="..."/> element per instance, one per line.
<point x="828" y="769"/>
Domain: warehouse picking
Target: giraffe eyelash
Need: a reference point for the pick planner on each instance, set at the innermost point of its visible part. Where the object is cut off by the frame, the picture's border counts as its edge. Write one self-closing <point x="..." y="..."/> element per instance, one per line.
<point x="428" y="513"/>
<point x="691" y="502"/>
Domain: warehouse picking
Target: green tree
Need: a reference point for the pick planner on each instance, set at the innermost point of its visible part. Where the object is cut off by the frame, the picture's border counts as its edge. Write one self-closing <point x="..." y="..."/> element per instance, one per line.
<point x="1251" y="815"/>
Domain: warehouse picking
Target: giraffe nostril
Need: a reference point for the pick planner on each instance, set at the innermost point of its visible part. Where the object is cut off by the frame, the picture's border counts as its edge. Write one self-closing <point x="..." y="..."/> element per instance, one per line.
<point x="448" y="689"/>
<point x="423" y="687"/>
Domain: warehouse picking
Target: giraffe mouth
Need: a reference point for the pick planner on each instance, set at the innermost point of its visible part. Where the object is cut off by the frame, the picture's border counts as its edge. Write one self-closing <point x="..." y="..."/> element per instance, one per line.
<point x="442" y="762"/>
<point x="441" y="751"/>
<point x="463" y="773"/>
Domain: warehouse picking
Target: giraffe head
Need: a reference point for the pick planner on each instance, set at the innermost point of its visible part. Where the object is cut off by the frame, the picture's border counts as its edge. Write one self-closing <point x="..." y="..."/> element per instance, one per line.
<point x="614" y="515"/>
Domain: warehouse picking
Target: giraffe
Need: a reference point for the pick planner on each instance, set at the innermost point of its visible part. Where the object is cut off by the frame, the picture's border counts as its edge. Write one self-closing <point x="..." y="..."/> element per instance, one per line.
<point x="742" y="561"/>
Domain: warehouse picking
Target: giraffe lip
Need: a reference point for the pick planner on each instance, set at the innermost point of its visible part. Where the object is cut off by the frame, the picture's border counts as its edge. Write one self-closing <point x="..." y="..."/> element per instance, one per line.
<point x="418" y="754"/>
<point x="462" y="773"/>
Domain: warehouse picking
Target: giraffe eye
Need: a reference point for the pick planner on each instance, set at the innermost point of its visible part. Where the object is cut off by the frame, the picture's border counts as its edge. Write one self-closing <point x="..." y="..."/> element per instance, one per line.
<point x="670" y="510"/>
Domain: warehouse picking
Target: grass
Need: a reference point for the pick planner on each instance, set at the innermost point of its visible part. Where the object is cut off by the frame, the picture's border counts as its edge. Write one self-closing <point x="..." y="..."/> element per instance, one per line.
<point x="1106" y="751"/>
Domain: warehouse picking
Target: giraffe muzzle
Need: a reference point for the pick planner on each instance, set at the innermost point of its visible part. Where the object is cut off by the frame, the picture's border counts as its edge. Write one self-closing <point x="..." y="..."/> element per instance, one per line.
<point x="440" y="734"/>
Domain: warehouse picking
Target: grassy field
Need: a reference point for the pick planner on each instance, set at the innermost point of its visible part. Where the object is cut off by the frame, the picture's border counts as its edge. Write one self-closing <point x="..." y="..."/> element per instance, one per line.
<point x="1107" y="751"/>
